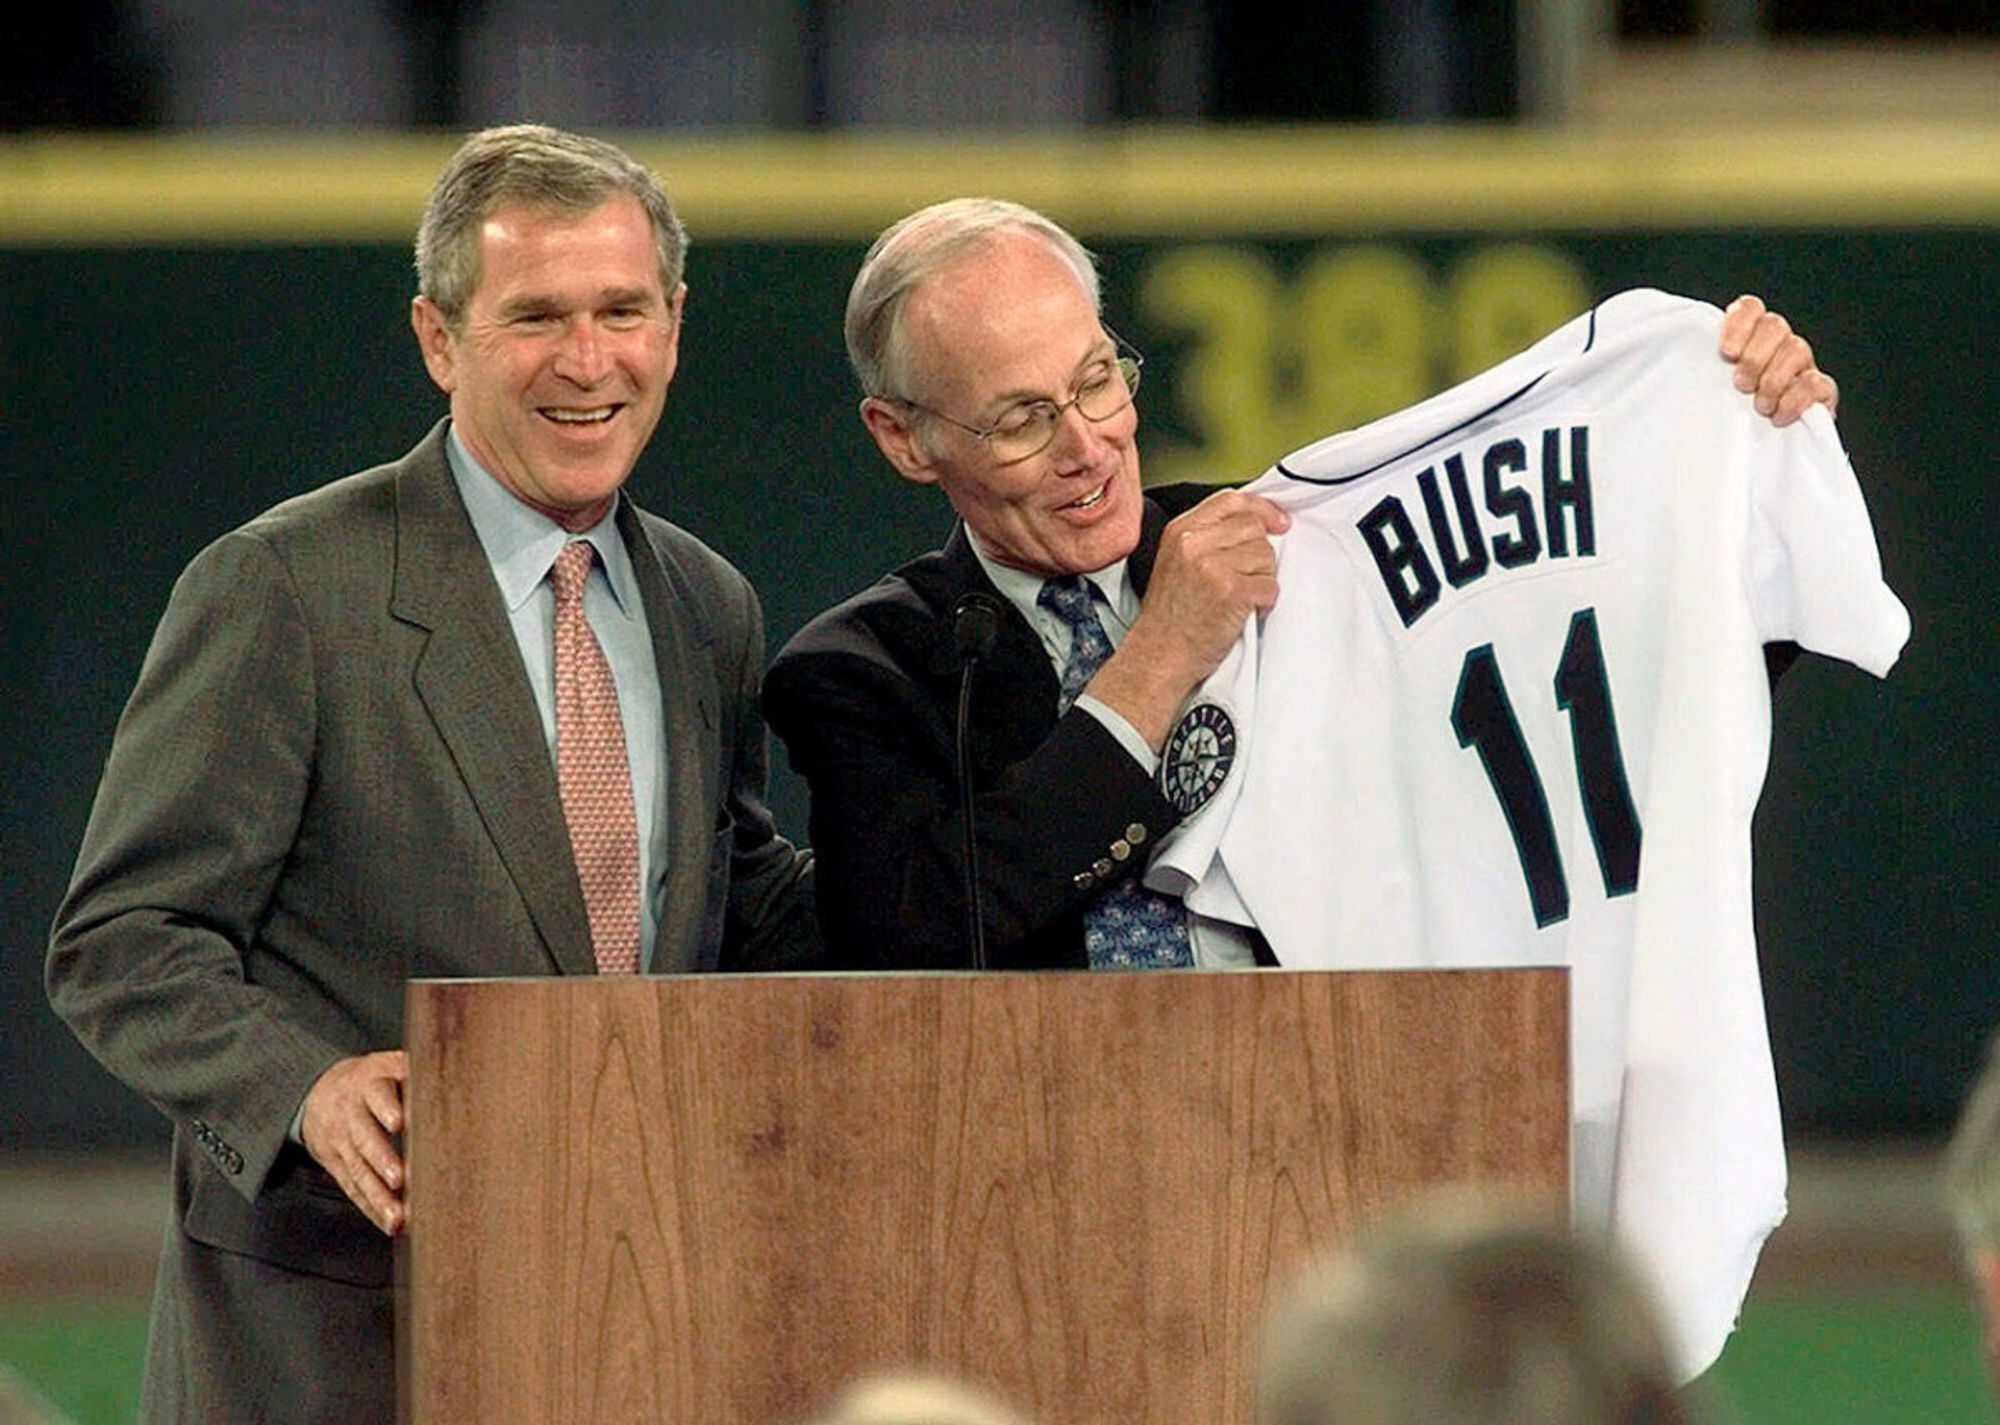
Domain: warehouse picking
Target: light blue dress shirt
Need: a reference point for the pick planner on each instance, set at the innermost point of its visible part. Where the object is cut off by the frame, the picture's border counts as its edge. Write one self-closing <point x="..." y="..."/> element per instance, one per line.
<point x="521" y="543"/>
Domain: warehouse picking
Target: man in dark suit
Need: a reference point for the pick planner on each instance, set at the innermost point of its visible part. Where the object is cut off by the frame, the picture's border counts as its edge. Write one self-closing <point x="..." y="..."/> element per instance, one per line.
<point x="350" y="759"/>
<point x="975" y="332"/>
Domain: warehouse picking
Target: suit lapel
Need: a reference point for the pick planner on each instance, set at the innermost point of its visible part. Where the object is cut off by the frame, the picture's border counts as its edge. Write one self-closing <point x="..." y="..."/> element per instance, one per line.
<point x="1015" y="691"/>
<point x="471" y="681"/>
<point x="690" y="706"/>
<point x="1139" y="568"/>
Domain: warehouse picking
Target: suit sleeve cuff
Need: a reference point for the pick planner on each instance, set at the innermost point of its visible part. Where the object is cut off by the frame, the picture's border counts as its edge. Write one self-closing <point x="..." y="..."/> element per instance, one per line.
<point x="1127" y="735"/>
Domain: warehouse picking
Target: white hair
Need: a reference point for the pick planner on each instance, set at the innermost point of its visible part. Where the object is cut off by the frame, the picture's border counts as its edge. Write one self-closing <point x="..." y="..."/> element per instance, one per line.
<point x="909" y="251"/>
<point x="916" y="1398"/>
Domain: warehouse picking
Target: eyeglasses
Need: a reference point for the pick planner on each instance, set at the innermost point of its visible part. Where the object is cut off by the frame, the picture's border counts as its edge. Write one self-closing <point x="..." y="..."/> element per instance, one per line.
<point x="1027" y="428"/>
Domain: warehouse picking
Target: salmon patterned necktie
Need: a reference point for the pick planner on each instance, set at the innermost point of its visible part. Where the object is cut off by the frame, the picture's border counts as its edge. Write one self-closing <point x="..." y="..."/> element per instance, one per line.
<point x="593" y="773"/>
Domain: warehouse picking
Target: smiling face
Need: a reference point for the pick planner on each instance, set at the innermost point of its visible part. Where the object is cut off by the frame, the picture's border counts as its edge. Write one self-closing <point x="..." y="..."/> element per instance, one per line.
<point x="1010" y="322"/>
<point x="559" y="370"/>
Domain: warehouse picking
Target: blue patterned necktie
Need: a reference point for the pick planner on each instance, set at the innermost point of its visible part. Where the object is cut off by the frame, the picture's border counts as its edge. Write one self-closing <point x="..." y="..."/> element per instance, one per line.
<point x="1128" y="927"/>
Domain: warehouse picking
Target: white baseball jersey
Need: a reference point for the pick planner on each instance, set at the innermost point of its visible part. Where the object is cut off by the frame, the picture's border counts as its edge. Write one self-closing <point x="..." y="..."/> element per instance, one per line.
<point x="1511" y="708"/>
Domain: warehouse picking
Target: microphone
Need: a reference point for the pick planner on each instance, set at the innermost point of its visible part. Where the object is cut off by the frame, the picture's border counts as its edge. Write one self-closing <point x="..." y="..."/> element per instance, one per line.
<point x="975" y="625"/>
<point x="975" y="628"/>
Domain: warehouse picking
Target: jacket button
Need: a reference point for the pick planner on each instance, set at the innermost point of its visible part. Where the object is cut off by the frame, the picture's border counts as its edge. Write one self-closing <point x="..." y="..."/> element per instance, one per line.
<point x="1083" y="880"/>
<point x="1102" y="866"/>
<point x="1120" y="849"/>
<point x="1136" y="833"/>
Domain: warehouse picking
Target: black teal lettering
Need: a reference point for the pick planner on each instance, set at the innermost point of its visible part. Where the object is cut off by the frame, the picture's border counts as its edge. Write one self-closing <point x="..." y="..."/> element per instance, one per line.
<point x="1504" y="501"/>
<point x="1399" y="558"/>
<point x="1461" y="551"/>
<point x="1571" y="494"/>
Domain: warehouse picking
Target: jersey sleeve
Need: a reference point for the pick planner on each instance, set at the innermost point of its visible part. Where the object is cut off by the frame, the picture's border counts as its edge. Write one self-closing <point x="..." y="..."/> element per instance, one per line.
<point x="1815" y="575"/>
<point x="1201" y="772"/>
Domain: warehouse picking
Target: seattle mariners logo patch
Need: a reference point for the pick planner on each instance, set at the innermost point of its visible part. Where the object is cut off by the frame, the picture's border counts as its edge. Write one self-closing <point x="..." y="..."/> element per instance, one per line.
<point x="1199" y="753"/>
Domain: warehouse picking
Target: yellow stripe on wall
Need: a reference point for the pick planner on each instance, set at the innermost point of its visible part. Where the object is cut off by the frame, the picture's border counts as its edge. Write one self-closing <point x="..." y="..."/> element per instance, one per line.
<point x="57" y="190"/>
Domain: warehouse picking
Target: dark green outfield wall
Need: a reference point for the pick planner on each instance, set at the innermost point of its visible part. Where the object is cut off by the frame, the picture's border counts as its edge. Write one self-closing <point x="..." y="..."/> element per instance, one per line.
<point x="153" y="396"/>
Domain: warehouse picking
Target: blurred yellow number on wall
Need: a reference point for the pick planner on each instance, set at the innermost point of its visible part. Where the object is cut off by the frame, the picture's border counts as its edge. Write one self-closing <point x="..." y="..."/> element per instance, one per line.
<point x="1362" y="330"/>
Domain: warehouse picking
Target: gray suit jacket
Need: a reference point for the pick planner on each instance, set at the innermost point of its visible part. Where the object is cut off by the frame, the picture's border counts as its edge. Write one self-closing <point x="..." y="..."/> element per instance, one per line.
<point x="331" y="777"/>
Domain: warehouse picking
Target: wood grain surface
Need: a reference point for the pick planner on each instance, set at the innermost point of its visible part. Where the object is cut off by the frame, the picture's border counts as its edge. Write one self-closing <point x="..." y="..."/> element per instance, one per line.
<point x="714" y="1200"/>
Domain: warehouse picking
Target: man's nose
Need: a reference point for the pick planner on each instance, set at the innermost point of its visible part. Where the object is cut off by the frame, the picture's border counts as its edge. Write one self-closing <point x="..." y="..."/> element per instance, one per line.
<point x="583" y="357"/>
<point x="1077" y="435"/>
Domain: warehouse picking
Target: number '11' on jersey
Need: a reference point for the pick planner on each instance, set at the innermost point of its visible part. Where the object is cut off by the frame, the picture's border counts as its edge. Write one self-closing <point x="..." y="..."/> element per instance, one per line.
<point x="1483" y="718"/>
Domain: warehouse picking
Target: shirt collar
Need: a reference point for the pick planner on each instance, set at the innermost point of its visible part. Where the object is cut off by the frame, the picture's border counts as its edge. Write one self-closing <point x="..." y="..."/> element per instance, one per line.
<point x="521" y="543"/>
<point x="1022" y="589"/>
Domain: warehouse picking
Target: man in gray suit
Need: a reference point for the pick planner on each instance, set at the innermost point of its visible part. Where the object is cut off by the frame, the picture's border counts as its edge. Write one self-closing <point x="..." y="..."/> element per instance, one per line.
<point x="341" y="768"/>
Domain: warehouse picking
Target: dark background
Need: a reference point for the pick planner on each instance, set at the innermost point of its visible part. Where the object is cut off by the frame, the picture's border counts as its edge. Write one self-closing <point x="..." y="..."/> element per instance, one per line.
<point x="154" y="397"/>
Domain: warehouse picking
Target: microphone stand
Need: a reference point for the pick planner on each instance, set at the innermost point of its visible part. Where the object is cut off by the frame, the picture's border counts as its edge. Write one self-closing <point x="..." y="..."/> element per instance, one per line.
<point x="975" y="628"/>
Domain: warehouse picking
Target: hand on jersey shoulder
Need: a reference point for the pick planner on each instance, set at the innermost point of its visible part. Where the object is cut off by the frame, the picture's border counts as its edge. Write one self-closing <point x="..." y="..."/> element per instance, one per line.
<point x="1773" y="362"/>
<point x="351" y="1113"/>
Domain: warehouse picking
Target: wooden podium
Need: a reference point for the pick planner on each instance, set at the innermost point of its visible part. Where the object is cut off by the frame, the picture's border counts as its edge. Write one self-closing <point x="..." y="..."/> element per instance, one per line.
<point x="713" y="1200"/>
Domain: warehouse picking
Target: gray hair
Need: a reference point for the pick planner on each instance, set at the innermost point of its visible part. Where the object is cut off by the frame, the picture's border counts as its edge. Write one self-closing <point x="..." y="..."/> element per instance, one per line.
<point x="1972" y="1162"/>
<point x="918" y="246"/>
<point x="1489" y="1316"/>
<point x="542" y="167"/>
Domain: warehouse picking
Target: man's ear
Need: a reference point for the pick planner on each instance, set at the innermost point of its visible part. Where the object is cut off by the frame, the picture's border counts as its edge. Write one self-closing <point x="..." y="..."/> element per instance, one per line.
<point x="434" y="339"/>
<point x="676" y="308"/>
<point x="900" y="441"/>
